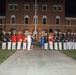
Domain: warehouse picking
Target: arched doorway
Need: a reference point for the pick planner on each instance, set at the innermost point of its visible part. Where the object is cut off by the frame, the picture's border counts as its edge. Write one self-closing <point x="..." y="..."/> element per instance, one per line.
<point x="50" y="31"/>
<point x="68" y="30"/>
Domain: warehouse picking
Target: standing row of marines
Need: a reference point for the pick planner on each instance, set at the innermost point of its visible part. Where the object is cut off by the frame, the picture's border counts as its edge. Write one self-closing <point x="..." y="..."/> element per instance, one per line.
<point x="55" y="41"/>
<point x="17" y="41"/>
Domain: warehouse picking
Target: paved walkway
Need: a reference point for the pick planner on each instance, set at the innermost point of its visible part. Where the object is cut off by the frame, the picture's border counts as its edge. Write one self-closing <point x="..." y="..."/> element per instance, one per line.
<point x="37" y="62"/>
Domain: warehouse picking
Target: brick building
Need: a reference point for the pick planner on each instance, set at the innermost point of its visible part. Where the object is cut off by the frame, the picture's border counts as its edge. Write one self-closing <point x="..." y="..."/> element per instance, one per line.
<point x="20" y="16"/>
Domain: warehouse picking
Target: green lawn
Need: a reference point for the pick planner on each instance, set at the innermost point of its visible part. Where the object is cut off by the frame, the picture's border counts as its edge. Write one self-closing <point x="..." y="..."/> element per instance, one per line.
<point x="70" y="53"/>
<point x="4" y="54"/>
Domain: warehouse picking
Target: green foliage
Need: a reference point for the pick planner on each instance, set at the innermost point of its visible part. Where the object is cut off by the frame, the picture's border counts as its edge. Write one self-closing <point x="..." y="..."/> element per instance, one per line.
<point x="70" y="53"/>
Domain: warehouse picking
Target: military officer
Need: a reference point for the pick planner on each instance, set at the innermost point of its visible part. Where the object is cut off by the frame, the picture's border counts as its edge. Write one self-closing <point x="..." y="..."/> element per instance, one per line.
<point x="4" y="40"/>
<point x="65" y="42"/>
<point x="69" y="41"/>
<point x="14" y="38"/>
<point x="19" y="40"/>
<point x="51" y="39"/>
<point x="60" y="41"/>
<point x="56" y="41"/>
<point x="9" y="40"/>
<point x="24" y="38"/>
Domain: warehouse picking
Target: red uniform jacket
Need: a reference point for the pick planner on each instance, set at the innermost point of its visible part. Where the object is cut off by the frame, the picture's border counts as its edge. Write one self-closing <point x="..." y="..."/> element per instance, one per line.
<point x="14" y="38"/>
<point x="19" y="38"/>
<point x="24" y="39"/>
<point x="51" y="38"/>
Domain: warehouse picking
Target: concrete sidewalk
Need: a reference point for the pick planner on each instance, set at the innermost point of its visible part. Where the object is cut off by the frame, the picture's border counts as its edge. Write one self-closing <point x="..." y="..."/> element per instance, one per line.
<point x="37" y="62"/>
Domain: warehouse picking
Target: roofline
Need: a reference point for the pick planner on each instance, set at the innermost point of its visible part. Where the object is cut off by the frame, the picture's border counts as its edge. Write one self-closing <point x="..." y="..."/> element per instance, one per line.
<point x="70" y="18"/>
<point x="2" y="16"/>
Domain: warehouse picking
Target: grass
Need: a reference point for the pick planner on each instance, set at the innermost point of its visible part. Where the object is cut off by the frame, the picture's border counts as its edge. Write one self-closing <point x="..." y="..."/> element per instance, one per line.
<point x="70" y="53"/>
<point x="4" y="54"/>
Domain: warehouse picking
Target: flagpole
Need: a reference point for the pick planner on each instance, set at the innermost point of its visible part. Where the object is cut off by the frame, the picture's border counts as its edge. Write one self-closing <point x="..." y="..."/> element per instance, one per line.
<point x="35" y="18"/>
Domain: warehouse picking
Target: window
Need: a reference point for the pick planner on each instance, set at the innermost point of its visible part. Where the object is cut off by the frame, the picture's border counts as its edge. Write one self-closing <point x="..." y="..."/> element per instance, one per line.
<point x="44" y="7"/>
<point x="68" y="22"/>
<point x="57" y="20"/>
<point x="26" y="19"/>
<point x="26" y="7"/>
<point x="13" y="19"/>
<point x="15" y="6"/>
<point x="44" y="20"/>
<point x="57" y="8"/>
<point x="0" y="20"/>
<point x="11" y="6"/>
<point x="35" y="7"/>
<point x="35" y="19"/>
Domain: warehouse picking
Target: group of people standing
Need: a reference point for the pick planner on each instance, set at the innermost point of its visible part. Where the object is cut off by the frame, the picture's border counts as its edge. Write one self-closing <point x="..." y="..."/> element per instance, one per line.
<point x="17" y="41"/>
<point x="57" y="41"/>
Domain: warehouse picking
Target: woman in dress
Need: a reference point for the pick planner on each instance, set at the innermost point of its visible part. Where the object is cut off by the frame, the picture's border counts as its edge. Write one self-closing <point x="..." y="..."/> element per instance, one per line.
<point x="42" y="41"/>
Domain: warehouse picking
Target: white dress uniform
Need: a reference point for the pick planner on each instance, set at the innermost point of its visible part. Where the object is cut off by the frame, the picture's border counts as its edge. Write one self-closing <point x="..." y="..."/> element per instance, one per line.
<point x="19" y="40"/>
<point x="28" y="42"/>
<point x="60" y="42"/>
<point x="74" y="44"/>
<point x="56" y="42"/>
<point x="51" y="41"/>
<point x="4" y="42"/>
<point x="9" y="40"/>
<point x="68" y="43"/>
<point x="65" y="43"/>
<point x="24" y="42"/>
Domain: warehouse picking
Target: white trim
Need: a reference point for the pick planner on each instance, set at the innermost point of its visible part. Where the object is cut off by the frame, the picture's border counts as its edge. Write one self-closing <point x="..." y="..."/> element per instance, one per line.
<point x="11" y="19"/>
<point x="57" y="17"/>
<point x="26" y="16"/>
<point x="70" y="18"/>
<point x="15" y="5"/>
<point x="43" y="6"/>
<point x="46" y="19"/>
<point x="28" y="7"/>
<point x="12" y="6"/>
<point x="57" y="8"/>
<point x="34" y="8"/>
<point x="2" y="16"/>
